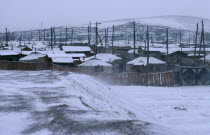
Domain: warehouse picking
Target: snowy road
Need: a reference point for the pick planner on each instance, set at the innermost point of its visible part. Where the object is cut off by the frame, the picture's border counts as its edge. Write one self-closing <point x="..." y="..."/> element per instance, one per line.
<point x="59" y="103"/>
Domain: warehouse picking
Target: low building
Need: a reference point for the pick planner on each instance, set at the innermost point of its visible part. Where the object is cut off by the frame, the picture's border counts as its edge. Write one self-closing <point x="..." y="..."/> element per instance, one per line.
<point x="78" y="49"/>
<point x="63" y="61"/>
<point x="139" y="65"/>
<point x="177" y="57"/>
<point x="95" y="65"/>
<point x="77" y="57"/>
<point x="117" y="63"/>
<point x="35" y="57"/>
<point x="9" y="55"/>
<point x="26" y="49"/>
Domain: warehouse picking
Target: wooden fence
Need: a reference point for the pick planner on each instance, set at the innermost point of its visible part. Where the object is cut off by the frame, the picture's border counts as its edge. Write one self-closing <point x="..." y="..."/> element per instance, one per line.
<point x="155" y="79"/>
<point x="8" y="65"/>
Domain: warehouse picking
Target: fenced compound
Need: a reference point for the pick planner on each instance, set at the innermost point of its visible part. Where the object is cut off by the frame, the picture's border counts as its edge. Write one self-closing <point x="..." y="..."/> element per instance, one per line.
<point x="8" y="65"/>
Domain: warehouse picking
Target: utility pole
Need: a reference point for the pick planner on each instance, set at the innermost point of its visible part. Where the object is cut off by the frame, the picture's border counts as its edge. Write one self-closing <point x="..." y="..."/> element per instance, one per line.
<point x="44" y="34"/>
<point x="54" y="35"/>
<point x="147" y="67"/>
<point x="51" y="34"/>
<point x="6" y="39"/>
<point x="134" y="39"/>
<point x="180" y="40"/>
<point x="31" y="36"/>
<point x="202" y="36"/>
<point x="60" y="37"/>
<point x="196" y="41"/>
<point x="89" y="35"/>
<point x="112" y="39"/>
<point x="66" y="35"/>
<point x="145" y="47"/>
<point x="105" y="38"/>
<point x="204" y="47"/>
<point x="96" y="42"/>
<point x="72" y="36"/>
<point x="48" y="37"/>
<point x="90" y="32"/>
<point x="151" y="39"/>
<point x="167" y="44"/>
<point x="39" y="35"/>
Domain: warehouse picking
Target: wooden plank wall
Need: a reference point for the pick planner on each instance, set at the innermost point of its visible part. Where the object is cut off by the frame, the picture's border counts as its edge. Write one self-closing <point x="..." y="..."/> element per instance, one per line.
<point x="8" y="65"/>
<point x="155" y="79"/>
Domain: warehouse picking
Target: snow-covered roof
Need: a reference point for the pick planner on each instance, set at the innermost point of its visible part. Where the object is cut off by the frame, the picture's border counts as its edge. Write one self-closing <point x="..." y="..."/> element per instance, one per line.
<point x="143" y="61"/>
<point x="62" y="60"/>
<point x="106" y="57"/>
<point x="80" y="55"/>
<point x="132" y="50"/>
<point x="195" y="55"/>
<point x="26" y="52"/>
<point x="76" y="48"/>
<point x="52" y="52"/>
<point x="8" y="52"/>
<point x="95" y="62"/>
<point x="33" y="56"/>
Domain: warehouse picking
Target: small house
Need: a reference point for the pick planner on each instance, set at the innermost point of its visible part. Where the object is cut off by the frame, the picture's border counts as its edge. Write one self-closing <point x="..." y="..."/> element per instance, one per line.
<point x="26" y="48"/>
<point x="9" y="55"/>
<point x="116" y="62"/>
<point x="139" y="65"/>
<point x="176" y="57"/>
<point x="77" y="49"/>
<point x="96" y="65"/>
<point x="63" y="61"/>
<point x="35" y="57"/>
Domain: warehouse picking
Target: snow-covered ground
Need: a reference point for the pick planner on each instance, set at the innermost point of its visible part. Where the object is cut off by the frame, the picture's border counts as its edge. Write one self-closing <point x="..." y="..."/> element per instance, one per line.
<point x="177" y="110"/>
<point x="46" y="103"/>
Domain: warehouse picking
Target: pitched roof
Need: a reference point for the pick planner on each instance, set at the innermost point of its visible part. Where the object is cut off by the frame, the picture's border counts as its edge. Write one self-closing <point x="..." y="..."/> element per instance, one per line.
<point x="143" y="61"/>
<point x="32" y="56"/>
<point x="76" y="48"/>
<point x="8" y="52"/>
<point x="62" y="60"/>
<point x="106" y="57"/>
<point x="95" y="62"/>
<point x="80" y="55"/>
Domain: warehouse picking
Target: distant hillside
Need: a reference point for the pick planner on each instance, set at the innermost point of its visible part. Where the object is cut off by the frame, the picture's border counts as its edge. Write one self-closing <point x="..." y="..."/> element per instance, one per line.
<point x="178" y="22"/>
<point x="186" y="25"/>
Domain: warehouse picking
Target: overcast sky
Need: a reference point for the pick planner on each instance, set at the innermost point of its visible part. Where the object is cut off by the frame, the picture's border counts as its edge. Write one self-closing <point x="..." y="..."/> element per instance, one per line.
<point x="28" y="14"/>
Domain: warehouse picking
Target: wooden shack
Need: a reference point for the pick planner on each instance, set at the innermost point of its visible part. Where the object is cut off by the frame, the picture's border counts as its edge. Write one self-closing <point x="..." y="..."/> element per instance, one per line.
<point x="36" y="57"/>
<point x="139" y="65"/>
<point x="63" y="61"/>
<point x="9" y="55"/>
<point x="78" y="49"/>
<point x="95" y="65"/>
<point x="115" y="61"/>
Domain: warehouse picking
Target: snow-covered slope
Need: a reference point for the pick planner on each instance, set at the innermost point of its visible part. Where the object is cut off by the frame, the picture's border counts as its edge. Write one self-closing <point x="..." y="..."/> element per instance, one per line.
<point x="179" y="22"/>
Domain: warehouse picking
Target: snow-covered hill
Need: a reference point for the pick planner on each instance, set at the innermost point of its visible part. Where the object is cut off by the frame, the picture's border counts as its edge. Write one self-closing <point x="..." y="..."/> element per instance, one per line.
<point x="178" y="22"/>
